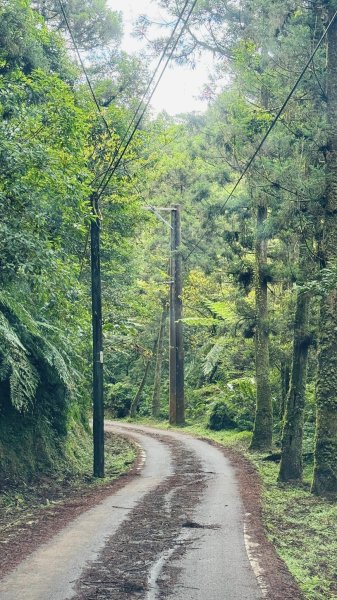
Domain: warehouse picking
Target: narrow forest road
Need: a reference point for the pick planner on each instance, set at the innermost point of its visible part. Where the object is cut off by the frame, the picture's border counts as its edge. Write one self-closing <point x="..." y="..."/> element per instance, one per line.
<point x="175" y="531"/>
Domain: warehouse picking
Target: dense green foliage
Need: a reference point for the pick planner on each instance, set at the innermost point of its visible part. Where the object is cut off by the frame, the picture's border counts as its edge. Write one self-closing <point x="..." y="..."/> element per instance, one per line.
<point x="52" y="146"/>
<point x="251" y="259"/>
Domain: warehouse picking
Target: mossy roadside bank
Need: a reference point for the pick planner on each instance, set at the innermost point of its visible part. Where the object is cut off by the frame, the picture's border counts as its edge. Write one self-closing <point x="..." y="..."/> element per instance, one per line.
<point x="30" y="513"/>
<point x="301" y="526"/>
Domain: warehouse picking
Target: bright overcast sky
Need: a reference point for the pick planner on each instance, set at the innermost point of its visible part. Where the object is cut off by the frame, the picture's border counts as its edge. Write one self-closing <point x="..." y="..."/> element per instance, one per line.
<point x="180" y="86"/>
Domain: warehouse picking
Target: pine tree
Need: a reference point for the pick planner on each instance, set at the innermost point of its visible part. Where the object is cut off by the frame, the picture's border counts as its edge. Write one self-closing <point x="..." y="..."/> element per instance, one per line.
<point x="325" y="469"/>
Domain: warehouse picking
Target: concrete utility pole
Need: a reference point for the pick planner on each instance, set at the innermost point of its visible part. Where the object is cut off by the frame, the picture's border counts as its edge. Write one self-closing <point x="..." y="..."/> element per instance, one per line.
<point x="176" y="349"/>
<point x="177" y="400"/>
<point x="97" y="337"/>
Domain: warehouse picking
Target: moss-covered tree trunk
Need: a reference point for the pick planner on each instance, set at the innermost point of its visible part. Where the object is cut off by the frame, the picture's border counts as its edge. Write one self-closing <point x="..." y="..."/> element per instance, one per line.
<point x="285" y="383"/>
<point x="291" y="466"/>
<point x="325" y="469"/>
<point x="159" y="362"/>
<point x="263" y="426"/>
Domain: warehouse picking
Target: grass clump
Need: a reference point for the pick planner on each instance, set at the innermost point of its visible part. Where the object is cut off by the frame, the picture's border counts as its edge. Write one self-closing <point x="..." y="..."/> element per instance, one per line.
<point x="303" y="529"/>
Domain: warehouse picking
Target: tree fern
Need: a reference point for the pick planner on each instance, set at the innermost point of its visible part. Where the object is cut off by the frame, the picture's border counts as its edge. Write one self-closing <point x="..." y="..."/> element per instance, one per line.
<point x="16" y="366"/>
<point x="224" y="310"/>
<point x="9" y="304"/>
<point x="23" y="346"/>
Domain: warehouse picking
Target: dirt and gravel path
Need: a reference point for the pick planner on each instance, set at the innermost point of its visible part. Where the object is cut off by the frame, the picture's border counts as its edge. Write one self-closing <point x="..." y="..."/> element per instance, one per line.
<point x="174" y="531"/>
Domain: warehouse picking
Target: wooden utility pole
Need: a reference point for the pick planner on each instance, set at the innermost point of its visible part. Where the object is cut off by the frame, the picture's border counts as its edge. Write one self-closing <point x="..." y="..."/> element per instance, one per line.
<point x="97" y="336"/>
<point x="177" y="400"/>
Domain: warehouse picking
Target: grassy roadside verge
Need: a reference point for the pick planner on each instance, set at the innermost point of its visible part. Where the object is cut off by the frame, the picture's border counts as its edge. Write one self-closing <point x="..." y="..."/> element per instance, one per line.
<point x="302" y="527"/>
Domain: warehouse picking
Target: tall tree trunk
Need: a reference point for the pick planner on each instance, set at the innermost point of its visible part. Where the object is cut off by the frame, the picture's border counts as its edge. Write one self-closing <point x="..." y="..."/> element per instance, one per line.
<point x="325" y="469"/>
<point x="291" y="466"/>
<point x="135" y="401"/>
<point x="263" y="426"/>
<point x="159" y="361"/>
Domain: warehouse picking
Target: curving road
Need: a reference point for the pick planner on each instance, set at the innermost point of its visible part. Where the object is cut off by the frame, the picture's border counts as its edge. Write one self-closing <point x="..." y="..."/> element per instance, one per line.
<point x="175" y="531"/>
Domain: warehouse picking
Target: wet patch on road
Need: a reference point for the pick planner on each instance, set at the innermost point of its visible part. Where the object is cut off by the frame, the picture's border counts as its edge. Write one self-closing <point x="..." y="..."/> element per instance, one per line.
<point x="194" y="525"/>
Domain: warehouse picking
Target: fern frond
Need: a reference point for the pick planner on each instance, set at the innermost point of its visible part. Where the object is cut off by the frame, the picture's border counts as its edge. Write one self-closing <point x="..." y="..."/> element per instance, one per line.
<point x="214" y="356"/>
<point x="200" y="321"/>
<point x="16" y="366"/>
<point x="55" y="360"/>
<point x="24" y="344"/>
<point x="224" y="310"/>
<point x="7" y="302"/>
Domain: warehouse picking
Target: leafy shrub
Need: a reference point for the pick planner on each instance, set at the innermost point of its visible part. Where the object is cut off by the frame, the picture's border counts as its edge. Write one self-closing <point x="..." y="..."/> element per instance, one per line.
<point x="118" y="398"/>
<point x="198" y="400"/>
<point x="236" y="403"/>
<point x="220" y="417"/>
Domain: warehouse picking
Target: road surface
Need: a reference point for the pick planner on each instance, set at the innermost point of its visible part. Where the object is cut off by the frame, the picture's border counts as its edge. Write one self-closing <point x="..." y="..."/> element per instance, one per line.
<point x="175" y="531"/>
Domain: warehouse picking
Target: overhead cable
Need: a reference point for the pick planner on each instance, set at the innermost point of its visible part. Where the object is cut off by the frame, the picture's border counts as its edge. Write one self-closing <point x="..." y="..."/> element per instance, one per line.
<point x="271" y="127"/>
<point x="115" y="166"/>
<point x="66" y="20"/>
<point x="140" y="104"/>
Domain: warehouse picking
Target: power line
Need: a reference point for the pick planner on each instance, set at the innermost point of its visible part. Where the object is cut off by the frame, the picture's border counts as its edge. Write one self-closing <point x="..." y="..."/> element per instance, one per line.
<point x="113" y="168"/>
<point x="140" y="104"/>
<point x="271" y="127"/>
<point x="72" y="37"/>
<point x="66" y="20"/>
